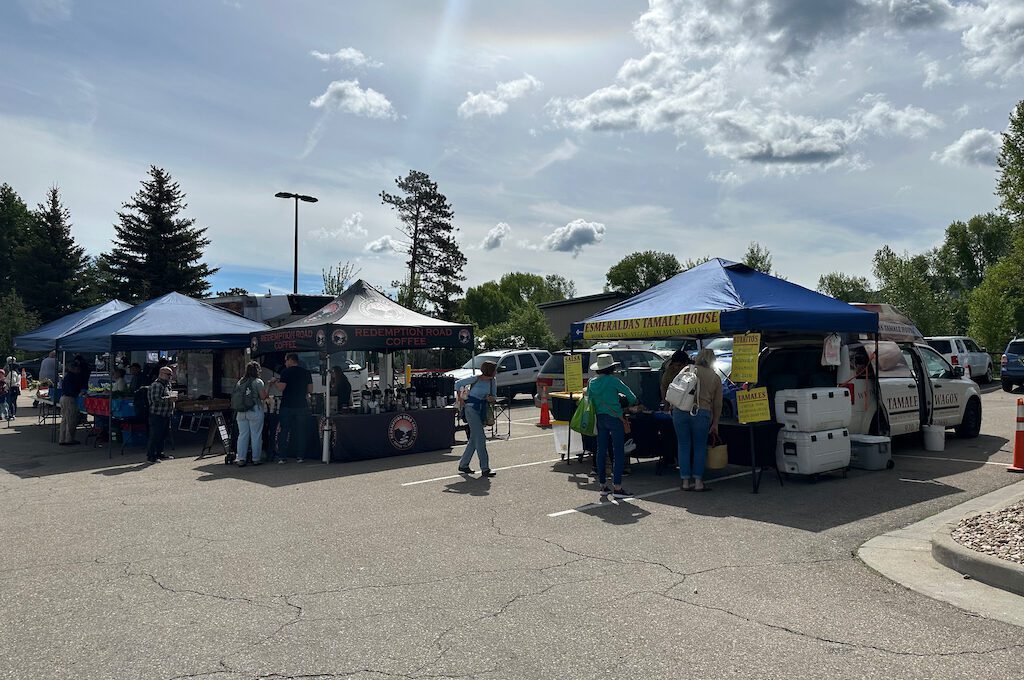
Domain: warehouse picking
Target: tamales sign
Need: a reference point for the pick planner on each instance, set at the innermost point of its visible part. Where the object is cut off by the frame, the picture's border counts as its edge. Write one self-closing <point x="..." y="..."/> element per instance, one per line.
<point x="695" y="323"/>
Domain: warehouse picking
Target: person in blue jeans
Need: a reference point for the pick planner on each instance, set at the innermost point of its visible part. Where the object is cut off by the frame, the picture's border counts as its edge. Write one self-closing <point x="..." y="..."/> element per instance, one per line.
<point x="693" y="427"/>
<point x="604" y="391"/>
<point x="483" y="390"/>
<point x="296" y="384"/>
<point x="250" y="423"/>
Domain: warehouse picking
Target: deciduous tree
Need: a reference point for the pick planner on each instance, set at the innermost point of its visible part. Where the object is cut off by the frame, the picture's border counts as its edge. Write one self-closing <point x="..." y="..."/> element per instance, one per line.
<point x="639" y="271"/>
<point x="1010" y="185"/>
<point x="847" y="288"/>
<point x="906" y="282"/>
<point x="337" y="280"/>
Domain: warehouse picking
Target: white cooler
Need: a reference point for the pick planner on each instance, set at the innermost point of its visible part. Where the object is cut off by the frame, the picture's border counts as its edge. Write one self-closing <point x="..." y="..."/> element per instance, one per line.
<point x="813" y="409"/>
<point x="810" y="453"/>
<point x="869" y="452"/>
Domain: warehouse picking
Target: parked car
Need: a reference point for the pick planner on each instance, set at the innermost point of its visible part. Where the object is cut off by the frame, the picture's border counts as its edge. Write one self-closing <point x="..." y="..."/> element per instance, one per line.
<point x="666" y="348"/>
<point x="552" y="373"/>
<point x="960" y="350"/>
<point x="1011" y="365"/>
<point x="517" y="369"/>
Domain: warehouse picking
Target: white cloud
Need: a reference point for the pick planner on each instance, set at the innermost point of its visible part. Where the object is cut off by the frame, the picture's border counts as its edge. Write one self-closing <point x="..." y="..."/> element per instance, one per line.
<point x="495" y="102"/>
<point x="496" y="236"/>
<point x="993" y="37"/>
<point x="933" y="75"/>
<point x="881" y="118"/>
<point x="346" y="96"/>
<point x="563" y="152"/>
<point x="975" y="147"/>
<point x="726" y="177"/>
<point x="351" y="227"/>
<point x="385" y="244"/>
<point x="572" y="237"/>
<point x="348" y="57"/>
<point x="47" y="11"/>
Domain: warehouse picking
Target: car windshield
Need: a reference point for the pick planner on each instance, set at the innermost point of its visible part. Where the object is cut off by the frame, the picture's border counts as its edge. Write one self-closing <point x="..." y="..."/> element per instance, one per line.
<point x="686" y="344"/>
<point x="940" y="346"/>
<point x="719" y="344"/>
<point x="476" y="361"/>
<point x="556" y="363"/>
<point x="1015" y="348"/>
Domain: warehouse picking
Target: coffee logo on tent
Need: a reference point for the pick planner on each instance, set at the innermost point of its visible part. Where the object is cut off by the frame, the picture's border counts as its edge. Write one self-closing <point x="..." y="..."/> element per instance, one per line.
<point x="339" y="337"/>
<point x="402" y="431"/>
<point x="325" y="312"/>
<point x="255" y="344"/>
<point x="321" y="338"/>
<point x="464" y="336"/>
<point x="383" y="311"/>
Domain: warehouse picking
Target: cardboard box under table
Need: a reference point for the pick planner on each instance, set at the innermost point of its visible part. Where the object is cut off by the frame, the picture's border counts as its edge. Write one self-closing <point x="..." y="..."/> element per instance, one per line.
<point x="397" y="433"/>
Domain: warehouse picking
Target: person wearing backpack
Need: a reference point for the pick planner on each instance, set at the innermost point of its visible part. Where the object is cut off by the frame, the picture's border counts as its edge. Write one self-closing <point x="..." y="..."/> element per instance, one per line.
<point x="669" y="371"/>
<point x="483" y="389"/>
<point x="247" y="401"/>
<point x="603" y="391"/>
<point x="693" y="425"/>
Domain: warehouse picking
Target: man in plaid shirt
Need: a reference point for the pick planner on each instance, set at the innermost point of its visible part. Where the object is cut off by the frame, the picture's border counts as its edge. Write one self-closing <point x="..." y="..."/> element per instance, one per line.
<point x="161" y="406"/>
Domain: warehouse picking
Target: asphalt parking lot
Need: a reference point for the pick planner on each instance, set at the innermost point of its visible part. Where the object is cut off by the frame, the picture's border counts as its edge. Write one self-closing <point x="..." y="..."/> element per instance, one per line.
<point x="397" y="568"/>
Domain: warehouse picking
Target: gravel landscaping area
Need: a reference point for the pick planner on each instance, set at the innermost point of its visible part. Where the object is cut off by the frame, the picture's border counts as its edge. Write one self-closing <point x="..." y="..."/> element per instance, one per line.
<point x="1000" y="534"/>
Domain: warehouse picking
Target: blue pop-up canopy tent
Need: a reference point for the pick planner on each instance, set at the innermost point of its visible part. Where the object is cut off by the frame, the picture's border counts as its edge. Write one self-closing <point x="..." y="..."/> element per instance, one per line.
<point x="48" y="336"/>
<point x="173" y="321"/>
<point x="720" y="296"/>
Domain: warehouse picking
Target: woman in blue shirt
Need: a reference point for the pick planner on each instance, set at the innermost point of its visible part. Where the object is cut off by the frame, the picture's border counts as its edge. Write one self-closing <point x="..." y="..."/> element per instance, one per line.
<point x="483" y="390"/>
<point x="604" y="391"/>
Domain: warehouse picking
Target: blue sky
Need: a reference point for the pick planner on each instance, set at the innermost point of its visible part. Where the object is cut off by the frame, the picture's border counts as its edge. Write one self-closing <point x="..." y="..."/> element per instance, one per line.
<point x="566" y="135"/>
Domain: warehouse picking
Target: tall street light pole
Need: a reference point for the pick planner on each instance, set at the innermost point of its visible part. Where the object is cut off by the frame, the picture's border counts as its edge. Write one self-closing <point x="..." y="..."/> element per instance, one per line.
<point x="307" y="199"/>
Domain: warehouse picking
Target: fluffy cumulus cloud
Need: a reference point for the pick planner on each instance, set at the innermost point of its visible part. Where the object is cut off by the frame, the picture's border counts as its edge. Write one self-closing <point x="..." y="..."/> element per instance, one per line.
<point x="385" y="244"/>
<point x="351" y="227"/>
<point x="572" y="237"/>
<point x="346" y="96"/>
<point x="495" y="102"/>
<point x="496" y="236"/>
<point x="975" y="147"/>
<point x="754" y="80"/>
<point x="347" y="57"/>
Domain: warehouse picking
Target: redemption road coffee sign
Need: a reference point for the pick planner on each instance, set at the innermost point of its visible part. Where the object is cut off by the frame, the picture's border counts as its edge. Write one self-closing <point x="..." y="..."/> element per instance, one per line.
<point x="330" y="339"/>
<point x="695" y="323"/>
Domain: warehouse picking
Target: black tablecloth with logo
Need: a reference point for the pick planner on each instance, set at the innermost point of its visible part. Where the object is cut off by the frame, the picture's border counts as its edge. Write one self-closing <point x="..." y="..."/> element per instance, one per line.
<point x="362" y="437"/>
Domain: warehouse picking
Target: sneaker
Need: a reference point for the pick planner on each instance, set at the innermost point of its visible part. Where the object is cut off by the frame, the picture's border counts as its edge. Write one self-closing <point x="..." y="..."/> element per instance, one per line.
<point x="605" y="490"/>
<point x="465" y="470"/>
<point x="242" y="463"/>
<point x="622" y="493"/>
<point x="298" y="460"/>
<point x="150" y="459"/>
<point x="281" y="461"/>
<point x="257" y="462"/>
<point x="164" y="456"/>
<point x="685" y="485"/>
<point x="488" y="473"/>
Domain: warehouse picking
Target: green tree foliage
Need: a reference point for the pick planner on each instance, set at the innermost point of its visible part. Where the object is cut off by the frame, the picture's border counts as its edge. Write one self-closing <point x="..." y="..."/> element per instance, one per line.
<point x="906" y="281"/>
<point x="1010" y="184"/>
<point x="434" y="282"/>
<point x="969" y="249"/>
<point x="695" y="262"/>
<point x="524" y="287"/>
<point x="488" y="304"/>
<point x="155" y="251"/>
<point x="50" y="275"/>
<point x="15" y="319"/>
<point x="758" y="258"/>
<point x="639" y="271"/>
<point x="847" y="288"/>
<point x="997" y="305"/>
<point x="231" y="292"/>
<point x="525" y="327"/>
<point x="337" y="280"/>
<point x="15" y="223"/>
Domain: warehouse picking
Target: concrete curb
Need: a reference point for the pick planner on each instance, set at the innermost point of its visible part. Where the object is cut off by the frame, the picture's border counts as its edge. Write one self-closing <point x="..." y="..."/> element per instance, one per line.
<point x="979" y="566"/>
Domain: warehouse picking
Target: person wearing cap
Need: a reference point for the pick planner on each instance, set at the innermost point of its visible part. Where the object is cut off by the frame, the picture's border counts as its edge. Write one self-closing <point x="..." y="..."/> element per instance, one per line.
<point x="483" y="389"/>
<point x="161" y="406"/>
<point x="604" y="391"/>
<point x="692" y="429"/>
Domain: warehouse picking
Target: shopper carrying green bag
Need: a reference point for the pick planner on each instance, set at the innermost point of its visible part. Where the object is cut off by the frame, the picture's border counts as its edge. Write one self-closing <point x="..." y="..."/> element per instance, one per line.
<point x="584" y="420"/>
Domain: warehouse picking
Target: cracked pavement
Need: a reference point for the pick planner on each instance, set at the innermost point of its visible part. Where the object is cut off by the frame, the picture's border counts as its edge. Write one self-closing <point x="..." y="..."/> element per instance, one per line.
<point x="191" y="569"/>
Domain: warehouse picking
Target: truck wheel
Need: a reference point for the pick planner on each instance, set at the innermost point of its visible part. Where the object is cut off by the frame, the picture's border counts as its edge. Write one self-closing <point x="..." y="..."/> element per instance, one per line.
<point x="987" y="378"/>
<point x="1007" y="385"/>
<point x="971" y="424"/>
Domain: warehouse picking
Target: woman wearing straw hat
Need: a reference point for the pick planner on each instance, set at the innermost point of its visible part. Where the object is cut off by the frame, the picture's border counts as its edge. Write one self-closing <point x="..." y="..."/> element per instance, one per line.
<point x="604" y="391"/>
<point x="692" y="428"/>
<point x="483" y="389"/>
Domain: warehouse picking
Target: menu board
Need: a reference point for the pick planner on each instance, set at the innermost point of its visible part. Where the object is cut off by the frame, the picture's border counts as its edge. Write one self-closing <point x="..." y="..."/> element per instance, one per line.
<point x="745" y="350"/>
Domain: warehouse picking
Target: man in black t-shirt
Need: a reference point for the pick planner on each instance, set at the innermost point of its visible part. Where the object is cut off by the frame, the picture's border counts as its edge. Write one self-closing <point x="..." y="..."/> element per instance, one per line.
<point x="296" y="385"/>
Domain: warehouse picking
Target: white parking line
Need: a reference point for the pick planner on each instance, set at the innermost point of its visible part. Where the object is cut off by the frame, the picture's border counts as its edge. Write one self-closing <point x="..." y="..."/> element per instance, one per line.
<point x="507" y="467"/>
<point x="611" y="501"/>
<point x="955" y="460"/>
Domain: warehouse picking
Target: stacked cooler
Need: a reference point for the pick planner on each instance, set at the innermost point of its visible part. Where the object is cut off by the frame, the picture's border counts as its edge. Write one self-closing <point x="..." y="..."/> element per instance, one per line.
<point x="814" y="436"/>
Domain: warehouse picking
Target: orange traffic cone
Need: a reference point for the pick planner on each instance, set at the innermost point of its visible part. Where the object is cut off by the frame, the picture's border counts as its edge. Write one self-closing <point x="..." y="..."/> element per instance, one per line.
<point x="1018" y="440"/>
<point x="545" y="412"/>
<point x="24" y="380"/>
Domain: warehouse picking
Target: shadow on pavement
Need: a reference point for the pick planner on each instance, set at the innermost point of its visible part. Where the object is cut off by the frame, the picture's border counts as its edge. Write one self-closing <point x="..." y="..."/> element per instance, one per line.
<point x="471" y="486"/>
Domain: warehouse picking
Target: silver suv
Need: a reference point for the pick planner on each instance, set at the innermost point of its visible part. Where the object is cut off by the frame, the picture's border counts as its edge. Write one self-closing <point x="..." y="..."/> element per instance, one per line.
<point x="517" y="369"/>
<point x="959" y="350"/>
<point x="552" y="374"/>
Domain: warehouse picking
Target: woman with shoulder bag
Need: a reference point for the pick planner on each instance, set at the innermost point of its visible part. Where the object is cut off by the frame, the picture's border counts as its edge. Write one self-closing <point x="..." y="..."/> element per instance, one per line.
<point x="692" y="427"/>
<point x="483" y="390"/>
<point x="603" y="391"/>
<point x="249" y="391"/>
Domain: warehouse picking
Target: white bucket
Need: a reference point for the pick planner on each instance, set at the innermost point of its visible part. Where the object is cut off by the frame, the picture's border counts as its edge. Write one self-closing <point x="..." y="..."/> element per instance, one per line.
<point x="564" y="437"/>
<point x="934" y="437"/>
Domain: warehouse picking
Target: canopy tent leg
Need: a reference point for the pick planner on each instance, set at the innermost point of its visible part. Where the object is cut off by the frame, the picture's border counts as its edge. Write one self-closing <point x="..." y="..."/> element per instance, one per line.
<point x="325" y="444"/>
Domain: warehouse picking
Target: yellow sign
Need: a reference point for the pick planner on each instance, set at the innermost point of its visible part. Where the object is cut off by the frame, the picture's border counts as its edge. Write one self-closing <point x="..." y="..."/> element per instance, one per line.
<point x="574" y="373"/>
<point x="753" y="405"/>
<point x="697" y="323"/>
<point x="745" y="349"/>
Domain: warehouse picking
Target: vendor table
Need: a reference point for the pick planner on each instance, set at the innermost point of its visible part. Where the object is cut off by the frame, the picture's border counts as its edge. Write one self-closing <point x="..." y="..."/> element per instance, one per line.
<point x="751" y="444"/>
<point x="364" y="437"/>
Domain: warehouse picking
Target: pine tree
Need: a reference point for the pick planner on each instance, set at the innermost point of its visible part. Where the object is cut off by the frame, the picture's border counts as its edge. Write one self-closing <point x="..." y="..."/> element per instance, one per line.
<point x="1010" y="186"/>
<point x="435" y="262"/>
<point x="50" y="276"/>
<point x="15" y="223"/>
<point x="155" y="251"/>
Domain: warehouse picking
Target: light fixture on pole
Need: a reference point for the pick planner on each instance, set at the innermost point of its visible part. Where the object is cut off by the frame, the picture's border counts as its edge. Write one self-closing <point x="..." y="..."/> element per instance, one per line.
<point x="307" y="199"/>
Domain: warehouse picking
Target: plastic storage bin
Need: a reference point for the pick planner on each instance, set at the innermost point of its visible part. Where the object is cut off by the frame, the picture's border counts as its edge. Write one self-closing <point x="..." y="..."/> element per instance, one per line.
<point x="811" y="453"/>
<point x="870" y="452"/>
<point x="813" y="409"/>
